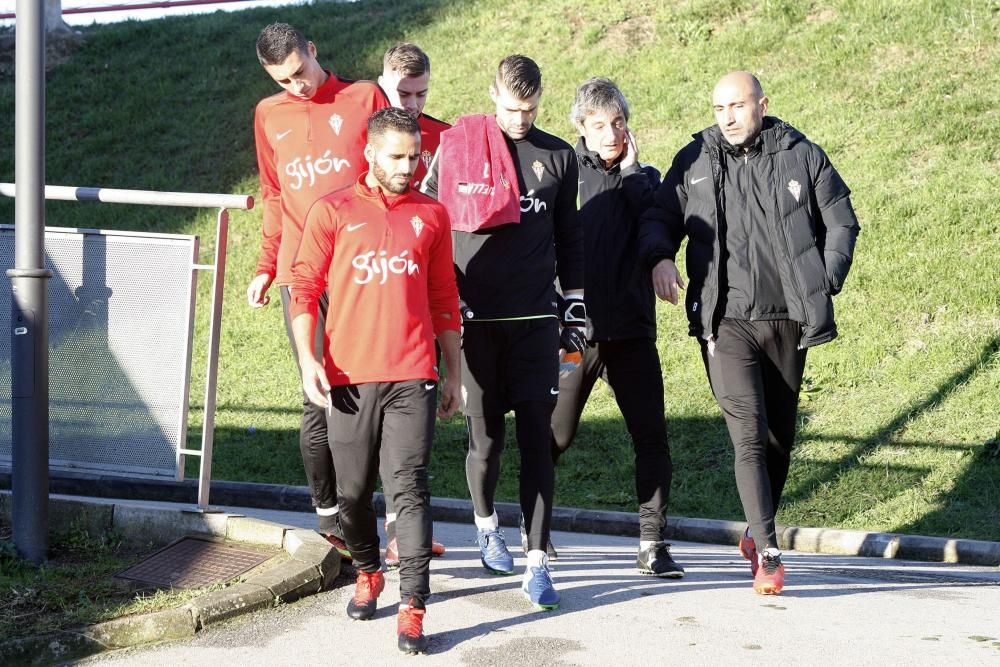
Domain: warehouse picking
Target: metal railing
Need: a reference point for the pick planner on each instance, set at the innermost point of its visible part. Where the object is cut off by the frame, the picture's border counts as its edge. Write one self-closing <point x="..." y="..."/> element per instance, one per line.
<point x="218" y="268"/>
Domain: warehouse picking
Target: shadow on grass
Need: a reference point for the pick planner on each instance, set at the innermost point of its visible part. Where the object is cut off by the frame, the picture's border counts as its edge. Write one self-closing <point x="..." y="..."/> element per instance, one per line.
<point x="975" y="493"/>
<point x="598" y="470"/>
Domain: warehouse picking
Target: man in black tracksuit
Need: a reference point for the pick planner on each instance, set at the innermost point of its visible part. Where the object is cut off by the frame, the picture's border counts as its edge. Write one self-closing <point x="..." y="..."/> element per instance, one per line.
<point x="614" y="192"/>
<point x="771" y="234"/>
<point x="513" y="324"/>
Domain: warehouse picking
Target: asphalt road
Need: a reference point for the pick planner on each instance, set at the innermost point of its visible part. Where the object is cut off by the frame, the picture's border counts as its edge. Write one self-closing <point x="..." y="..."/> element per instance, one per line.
<point x="834" y="610"/>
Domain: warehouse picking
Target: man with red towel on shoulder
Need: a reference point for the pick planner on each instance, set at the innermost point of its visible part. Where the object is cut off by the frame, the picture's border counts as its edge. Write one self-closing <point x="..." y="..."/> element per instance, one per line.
<point x="507" y="259"/>
<point x="310" y="141"/>
<point x="383" y="252"/>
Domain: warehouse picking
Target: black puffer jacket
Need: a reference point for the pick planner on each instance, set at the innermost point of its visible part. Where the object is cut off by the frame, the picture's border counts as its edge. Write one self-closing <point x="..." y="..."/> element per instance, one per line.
<point x="619" y="290"/>
<point x="811" y="216"/>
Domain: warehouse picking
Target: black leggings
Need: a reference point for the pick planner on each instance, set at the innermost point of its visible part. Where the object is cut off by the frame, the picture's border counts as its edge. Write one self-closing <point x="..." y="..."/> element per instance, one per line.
<point x="482" y="465"/>
<point x="313" y="443"/>
<point x="755" y="369"/>
<point x="632" y="370"/>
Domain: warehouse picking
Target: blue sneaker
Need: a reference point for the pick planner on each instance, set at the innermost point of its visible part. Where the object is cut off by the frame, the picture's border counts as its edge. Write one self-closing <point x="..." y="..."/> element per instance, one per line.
<point x="493" y="551"/>
<point x="537" y="587"/>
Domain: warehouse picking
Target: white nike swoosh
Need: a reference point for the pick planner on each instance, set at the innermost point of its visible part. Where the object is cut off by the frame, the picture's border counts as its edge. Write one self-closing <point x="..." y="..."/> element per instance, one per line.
<point x="429" y="386"/>
<point x="695" y="181"/>
<point x="282" y="135"/>
<point x="351" y="228"/>
<point x="554" y="392"/>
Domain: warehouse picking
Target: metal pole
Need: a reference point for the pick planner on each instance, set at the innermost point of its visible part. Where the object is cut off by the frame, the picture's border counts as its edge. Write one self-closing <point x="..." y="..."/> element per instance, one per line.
<point x="29" y="303"/>
<point x="211" y="381"/>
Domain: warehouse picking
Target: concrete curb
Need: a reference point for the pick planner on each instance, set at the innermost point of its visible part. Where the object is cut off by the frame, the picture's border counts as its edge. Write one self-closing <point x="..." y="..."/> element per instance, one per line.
<point x="313" y="565"/>
<point x="833" y="541"/>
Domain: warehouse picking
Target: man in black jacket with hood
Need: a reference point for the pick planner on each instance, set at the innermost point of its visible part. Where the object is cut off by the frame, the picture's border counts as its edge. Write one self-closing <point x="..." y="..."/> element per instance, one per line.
<point x="771" y="234"/>
<point x="615" y="189"/>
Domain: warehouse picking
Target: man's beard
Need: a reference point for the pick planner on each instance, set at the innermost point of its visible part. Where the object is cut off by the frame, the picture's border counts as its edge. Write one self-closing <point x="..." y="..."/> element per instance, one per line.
<point x="383" y="178"/>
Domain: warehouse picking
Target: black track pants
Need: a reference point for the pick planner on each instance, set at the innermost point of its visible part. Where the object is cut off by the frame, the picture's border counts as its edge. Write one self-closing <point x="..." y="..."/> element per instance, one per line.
<point x="393" y="421"/>
<point x="755" y="369"/>
<point x="632" y="370"/>
<point x="313" y="443"/>
<point x="482" y="465"/>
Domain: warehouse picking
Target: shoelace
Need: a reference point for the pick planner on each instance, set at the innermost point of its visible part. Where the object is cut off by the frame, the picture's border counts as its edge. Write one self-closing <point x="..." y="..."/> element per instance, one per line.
<point x="492" y="546"/>
<point x="540" y="578"/>
<point x="770" y="565"/>
<point x="365" y="589"/>
<point x="411" y="621"/>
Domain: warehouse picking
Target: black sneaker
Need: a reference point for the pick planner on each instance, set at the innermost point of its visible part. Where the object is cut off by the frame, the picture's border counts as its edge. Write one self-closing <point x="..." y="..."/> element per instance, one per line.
<point x="656" y="560"/>
<point x="550" y="550"/>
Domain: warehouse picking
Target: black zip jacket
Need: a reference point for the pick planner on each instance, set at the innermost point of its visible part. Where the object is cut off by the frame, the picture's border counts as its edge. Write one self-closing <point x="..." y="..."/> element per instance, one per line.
<point x="619" y="288"/>
<point x="810" y="218"/>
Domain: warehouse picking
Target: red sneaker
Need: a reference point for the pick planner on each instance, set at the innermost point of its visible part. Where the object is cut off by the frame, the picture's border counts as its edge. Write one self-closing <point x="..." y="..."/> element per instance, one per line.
<point x="339" y="545"/>
<point x="749" y="550"/>
<point x="437" y="549"/>
<point x="366" y="591"/>
<point x="392" y="552"/>
<point x="410" y="627"/>
<point x="770" y="577"/>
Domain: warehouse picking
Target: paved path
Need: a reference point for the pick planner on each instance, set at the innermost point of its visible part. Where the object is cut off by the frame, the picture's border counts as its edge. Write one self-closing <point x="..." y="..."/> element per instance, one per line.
<point x="834" y="610"/>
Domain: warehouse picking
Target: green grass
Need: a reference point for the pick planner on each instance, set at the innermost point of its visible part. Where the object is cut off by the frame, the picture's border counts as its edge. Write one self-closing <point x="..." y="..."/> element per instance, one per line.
<point x="76" y="586"/>
<point x="899" y="421"/>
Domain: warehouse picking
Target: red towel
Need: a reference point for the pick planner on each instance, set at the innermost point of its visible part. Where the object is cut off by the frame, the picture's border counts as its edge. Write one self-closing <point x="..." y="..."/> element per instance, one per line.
<point x="477" y="182"/>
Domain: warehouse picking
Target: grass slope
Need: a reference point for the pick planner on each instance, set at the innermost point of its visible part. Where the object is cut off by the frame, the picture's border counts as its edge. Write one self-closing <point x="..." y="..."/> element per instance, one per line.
<point x="899" y="424"/>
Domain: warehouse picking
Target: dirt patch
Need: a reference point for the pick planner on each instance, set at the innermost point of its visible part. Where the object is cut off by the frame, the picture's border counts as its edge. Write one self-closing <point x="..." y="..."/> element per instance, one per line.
<point x="821" y="16"/>
<point x="629" y="34"/>
<point x="59" y="47"/>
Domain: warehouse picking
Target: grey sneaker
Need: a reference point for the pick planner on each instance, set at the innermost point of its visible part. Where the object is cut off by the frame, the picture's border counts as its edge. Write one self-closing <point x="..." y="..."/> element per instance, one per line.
<point x="656" y="560"/>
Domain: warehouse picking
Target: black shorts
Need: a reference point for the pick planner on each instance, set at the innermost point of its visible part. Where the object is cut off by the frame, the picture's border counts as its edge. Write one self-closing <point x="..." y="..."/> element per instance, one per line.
<point x="506" y="362"/>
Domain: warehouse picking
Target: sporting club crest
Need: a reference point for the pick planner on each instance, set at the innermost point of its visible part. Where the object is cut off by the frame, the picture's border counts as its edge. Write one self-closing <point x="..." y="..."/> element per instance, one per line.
<point x="539" y="169"/>
<point x="336" y="122"/>
<point x="426" y="157"/>
<point x="418" y="225"/>
<point x="794" y="188"/>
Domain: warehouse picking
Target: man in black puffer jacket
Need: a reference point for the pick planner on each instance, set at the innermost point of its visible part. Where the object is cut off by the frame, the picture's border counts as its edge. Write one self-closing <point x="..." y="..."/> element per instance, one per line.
<point x="615" y="189"/>
<point x="771" y="234"/>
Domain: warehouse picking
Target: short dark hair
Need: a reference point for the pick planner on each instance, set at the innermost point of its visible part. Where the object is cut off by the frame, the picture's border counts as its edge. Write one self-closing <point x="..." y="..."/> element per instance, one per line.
<point x="595" y="95"/>
<point x="391" y="119"/>
<point x="407" y="59"/>
<point x="277" y="41"/>
<point x="520" y="75"/>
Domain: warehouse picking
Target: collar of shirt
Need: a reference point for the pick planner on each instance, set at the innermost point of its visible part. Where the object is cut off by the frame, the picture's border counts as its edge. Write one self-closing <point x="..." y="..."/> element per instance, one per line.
<point x="375" y="195"/>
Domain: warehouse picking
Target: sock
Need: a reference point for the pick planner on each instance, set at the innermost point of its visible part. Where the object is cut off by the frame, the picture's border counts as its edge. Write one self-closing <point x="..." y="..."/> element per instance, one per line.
<point x="771" y="552"/>
<point x="645" y="544"/>
<point x="749" y="534"/>
<point x="491" y="522"/>
<point x="537" y="558"/>
<point x="327" y="511"/>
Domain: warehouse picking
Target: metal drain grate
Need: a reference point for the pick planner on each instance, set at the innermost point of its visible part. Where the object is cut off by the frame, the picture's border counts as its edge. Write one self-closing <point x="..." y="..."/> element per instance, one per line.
<point x="192" y="562"/>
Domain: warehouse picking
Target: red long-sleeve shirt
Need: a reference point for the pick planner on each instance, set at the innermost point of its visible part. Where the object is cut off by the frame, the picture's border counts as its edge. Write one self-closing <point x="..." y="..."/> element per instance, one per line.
<point x="305" y="149"/>
<point x="386" y="263"/>
<point x="430" y="138"/>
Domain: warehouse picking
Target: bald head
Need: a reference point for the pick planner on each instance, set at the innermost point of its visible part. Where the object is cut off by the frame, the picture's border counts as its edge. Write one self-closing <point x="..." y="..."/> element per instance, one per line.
<point x="740" y="106"/>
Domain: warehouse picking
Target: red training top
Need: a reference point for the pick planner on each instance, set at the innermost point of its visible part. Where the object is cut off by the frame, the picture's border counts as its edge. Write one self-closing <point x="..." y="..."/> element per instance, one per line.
<point x="430" y="138"/>
<point x="387" y="261"/>
<point x="305" y="149"/>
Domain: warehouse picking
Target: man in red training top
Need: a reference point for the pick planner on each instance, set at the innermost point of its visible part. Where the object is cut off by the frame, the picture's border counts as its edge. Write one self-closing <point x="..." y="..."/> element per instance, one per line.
<point x="310" y="140"/>
<point x="384" y="252"/>
<point x="405" y="79"/>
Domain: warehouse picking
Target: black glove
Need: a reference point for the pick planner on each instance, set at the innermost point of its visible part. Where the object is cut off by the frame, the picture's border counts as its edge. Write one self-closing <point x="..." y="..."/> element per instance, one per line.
<point x="573" y="320"/>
